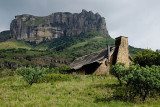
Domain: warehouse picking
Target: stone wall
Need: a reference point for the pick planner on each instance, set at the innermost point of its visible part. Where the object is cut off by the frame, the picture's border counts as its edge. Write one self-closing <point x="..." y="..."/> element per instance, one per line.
<point x="122" y="50"/>
<point x="102" y="69"/>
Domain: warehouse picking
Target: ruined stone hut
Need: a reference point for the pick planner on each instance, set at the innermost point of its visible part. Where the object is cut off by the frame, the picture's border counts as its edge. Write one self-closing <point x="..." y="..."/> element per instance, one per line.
<point x="100" y="62"/>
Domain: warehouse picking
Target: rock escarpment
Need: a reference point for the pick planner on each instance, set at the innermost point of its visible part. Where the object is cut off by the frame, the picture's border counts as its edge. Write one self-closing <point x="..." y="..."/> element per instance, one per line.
<point x="32" y="28"/>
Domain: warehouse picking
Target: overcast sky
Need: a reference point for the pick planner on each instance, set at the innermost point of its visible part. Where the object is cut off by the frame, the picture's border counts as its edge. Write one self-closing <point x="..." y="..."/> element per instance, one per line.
<point x="137" y="19"/>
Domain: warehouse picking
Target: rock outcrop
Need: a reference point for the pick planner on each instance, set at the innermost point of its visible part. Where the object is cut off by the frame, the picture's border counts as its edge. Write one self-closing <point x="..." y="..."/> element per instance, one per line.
<point x="33" y="28"/>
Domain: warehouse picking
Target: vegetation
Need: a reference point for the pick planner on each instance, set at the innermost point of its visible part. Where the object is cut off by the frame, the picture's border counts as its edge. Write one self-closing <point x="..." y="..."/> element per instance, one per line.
<point x="36" y="22"/>
<point x="71" y="47"/>
<point x="12" y="43"/>
<point x="119" y="71"/>
<point x="80" y="45"/>
<point x="13" y="58"/>
<point x="147" y="57"/>
<point x="134" y="86"/>
<point x="6" y="72"/>
<point x="139" y="81"/>
<point x="66" y="90"/>
<point x="15" y="53"/>
<point x="31" y="75"/>
<point x="39" y="20"/>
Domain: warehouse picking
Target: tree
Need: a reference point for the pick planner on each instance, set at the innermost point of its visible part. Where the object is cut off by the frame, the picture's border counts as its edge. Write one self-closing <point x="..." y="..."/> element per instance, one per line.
<point x="118" y="71"/>
<point x="139" y="81"/>
<point x="147" y="57"/>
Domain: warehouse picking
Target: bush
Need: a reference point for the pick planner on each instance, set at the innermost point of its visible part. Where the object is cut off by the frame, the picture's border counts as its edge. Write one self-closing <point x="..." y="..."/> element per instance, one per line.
<point x="64" y="69"/>
<point x="119" y="71"/>
<point x="31" y="75"/>
<point x="54" y="70"/>
<point x="57" y="70"/>
<point x="139" y="81"/>
<point x="147" y="57"/>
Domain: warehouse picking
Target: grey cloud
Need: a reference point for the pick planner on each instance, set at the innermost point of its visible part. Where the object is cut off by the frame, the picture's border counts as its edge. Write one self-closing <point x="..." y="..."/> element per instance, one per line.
<point x="137" y="19"/>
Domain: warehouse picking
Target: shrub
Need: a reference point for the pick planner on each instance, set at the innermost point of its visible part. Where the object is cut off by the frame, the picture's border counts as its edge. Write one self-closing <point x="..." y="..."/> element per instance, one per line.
<point x="57" y="70"/>
<point x="139" y="81"/>
<point x="64" y="69"/>
<point x="147" y="57"/>
<point x="143" y="80"/>
<point x="31" y="75"/>
<point x="119" y="71"/>
<point x="54" y="70"/>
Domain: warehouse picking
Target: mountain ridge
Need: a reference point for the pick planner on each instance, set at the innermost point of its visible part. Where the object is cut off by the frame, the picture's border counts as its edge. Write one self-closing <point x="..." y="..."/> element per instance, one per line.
<point x="37" y="29"/>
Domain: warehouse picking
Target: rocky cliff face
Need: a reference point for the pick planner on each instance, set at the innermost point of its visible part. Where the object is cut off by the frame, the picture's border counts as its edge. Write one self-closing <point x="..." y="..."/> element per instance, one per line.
<point x="32" y="28"/>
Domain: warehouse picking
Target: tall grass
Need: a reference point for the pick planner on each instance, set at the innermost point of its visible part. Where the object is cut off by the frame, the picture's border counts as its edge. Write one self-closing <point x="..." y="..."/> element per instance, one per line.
<point x="65" y="90"/>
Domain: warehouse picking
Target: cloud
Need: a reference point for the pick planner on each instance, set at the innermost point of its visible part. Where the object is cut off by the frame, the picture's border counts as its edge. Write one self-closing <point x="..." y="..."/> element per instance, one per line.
<point x="137" y="19"/>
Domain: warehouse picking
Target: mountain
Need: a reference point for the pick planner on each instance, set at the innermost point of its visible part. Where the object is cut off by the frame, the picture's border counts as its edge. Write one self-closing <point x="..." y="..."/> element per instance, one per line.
<point x="53" y="40"/>
<point x="61" y="24"/>
<point x="5" y="35"/>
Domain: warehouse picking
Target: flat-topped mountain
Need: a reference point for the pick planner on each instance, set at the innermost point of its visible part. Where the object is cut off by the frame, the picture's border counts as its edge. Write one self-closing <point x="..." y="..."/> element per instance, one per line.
<point x="36" y="29"/>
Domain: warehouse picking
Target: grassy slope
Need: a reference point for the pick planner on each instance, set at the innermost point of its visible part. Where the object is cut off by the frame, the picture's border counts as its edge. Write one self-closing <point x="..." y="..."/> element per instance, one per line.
<point x="82" y="45"/>
<point x="89" y="46"/>
<point x="82" y="91"/>
<point x="72" y="47"/>
<point x="42" y="46"/>
<point x="95" y="44"/>
<point x="12" y="43"/>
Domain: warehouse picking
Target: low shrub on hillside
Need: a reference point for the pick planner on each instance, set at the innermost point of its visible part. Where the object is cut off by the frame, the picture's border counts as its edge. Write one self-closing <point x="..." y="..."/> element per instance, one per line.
<point x="119" y="71"/>
<point x="35" y="75"/>
<point x="31" y="75"/>
<point x="62" y="69"/>
<point x="139" y="81"/>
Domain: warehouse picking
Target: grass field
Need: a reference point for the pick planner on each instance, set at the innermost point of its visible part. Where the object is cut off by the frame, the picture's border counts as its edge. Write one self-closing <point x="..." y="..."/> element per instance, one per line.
<point x="66" y="90"/>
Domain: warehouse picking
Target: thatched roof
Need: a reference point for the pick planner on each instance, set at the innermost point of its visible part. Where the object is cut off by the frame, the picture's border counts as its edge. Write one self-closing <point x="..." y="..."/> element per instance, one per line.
<point x="98" y="57"/>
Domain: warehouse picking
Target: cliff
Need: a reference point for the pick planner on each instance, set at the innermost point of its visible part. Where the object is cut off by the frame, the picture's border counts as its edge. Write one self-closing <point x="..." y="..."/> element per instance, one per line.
<point x="33" y="28"/>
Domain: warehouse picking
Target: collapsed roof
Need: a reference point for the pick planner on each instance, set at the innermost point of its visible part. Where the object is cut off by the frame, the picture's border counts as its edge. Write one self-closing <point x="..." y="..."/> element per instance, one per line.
<point x="98" y="57"/>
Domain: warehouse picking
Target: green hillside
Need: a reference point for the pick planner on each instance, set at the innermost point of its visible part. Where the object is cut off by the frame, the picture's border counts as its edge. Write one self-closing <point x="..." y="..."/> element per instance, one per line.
<point x="81" y="45"/>
<point x="69" y="47"/>
<point x="12" y="43"/>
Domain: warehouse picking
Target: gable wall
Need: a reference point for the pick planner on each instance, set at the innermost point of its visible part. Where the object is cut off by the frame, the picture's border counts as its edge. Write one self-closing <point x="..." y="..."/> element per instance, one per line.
<point x="102" y="69"/>
<point x="123" y="51"/>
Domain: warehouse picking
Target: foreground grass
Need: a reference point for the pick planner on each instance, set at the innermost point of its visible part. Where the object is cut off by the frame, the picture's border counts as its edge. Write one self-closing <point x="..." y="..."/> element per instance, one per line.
<point x="78" y="90"/>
